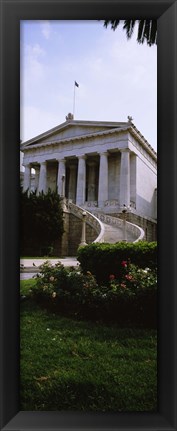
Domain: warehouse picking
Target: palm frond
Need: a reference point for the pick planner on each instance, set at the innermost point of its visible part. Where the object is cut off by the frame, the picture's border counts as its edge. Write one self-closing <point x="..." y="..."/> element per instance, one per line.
<point x="129" y="27"/>
<point x="141" y="27"/>
<point x="147" y="29"/>
<point x="114" y="23"/>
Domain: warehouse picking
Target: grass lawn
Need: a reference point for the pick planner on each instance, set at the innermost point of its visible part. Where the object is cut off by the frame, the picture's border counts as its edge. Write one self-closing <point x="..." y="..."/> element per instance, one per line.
<point x="78" y="365"/>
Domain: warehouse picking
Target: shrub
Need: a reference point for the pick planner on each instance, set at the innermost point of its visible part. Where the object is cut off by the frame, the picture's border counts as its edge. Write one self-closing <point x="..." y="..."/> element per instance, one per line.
<point x="103" y="259"/>
<point x="41" y="222"/>
<point x="64" y="285"/>
<point x="129" y="299"/>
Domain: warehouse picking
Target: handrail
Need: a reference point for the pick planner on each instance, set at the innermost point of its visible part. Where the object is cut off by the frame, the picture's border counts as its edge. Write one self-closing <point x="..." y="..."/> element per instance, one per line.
<point x="97" y="219"/>
<point x="91" y="219"/>
<point x="132" y="228"/>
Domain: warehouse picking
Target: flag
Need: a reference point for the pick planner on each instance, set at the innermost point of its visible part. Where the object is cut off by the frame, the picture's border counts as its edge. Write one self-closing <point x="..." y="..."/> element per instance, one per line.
<point x="76" y="84"/>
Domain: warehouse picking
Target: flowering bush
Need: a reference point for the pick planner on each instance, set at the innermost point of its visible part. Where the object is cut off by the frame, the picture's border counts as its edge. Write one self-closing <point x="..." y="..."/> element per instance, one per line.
<point x="70" y="290"/>
<point x="103" y="259"/>
<point x="58" y="283"/>
<point x="135" y="279"/>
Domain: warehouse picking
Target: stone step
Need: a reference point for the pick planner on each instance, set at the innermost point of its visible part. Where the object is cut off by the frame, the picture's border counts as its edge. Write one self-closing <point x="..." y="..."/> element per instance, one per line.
<point x="114" y="234"/>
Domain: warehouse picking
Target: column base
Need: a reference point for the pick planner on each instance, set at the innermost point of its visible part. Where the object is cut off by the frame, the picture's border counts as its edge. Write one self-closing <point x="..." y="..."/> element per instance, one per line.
<point x="101" y="204"/>
<point x="82" y="243"/>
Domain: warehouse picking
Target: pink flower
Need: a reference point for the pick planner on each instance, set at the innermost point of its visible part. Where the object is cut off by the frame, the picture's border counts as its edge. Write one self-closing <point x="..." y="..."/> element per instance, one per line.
<point x="124" y="263"/>
<point x="128" y="277"/>
<point x="123" y="285"/>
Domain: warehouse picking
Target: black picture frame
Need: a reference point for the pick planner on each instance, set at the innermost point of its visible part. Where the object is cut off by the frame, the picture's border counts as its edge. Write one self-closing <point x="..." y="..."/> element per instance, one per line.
<point x="12" y="11"/>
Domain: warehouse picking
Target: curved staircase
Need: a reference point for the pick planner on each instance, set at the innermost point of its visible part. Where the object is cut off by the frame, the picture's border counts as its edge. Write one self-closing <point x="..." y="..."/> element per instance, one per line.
<point x="117" y="229"/>
<point x="110" y="229"/>
<point x="114" y="234"/>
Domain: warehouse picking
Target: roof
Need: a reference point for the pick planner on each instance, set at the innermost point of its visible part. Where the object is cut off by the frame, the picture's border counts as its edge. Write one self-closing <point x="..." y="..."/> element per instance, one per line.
<point x="103" y="128"/>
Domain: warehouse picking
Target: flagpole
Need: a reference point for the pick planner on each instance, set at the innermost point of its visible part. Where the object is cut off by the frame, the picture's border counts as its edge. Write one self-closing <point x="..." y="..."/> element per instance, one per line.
<point x="74" y="100"/>
<point x="75" y="85"/>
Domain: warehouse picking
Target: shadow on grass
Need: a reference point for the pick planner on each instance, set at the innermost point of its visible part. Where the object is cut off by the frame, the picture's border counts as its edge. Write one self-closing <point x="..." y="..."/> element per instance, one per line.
<point x="68" y="364"/>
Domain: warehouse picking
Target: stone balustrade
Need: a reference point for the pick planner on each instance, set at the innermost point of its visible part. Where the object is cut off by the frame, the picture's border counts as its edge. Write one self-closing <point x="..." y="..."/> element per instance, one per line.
<point x="91" y="219"/>
<point x="112" y="202"/>
<point x="97" y="219"/>
<point x="90" y="204"/>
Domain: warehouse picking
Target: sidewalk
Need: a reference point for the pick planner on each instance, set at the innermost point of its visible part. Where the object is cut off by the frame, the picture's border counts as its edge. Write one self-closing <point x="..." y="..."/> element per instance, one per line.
<point x="32" y="265"/>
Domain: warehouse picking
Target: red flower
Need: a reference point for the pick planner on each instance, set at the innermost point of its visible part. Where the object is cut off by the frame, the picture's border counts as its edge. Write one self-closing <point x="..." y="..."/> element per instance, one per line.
<point x="124" y="263"/>
<point x="112" y="277"/>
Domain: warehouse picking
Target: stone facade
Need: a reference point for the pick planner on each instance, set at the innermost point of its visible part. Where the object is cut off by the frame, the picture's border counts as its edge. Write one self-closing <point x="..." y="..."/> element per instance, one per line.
<point x="102" y="165"/>
<point x="98" y="166"/>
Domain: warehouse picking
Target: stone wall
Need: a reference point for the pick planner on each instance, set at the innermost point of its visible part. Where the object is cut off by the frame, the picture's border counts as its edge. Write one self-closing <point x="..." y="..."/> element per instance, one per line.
<point x="71" y="238"/>
<point x="75" y="232"/>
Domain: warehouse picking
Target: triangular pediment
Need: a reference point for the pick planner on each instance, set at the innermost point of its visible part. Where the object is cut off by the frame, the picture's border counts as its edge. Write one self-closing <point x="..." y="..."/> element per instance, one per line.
<point x="71" y="130"/>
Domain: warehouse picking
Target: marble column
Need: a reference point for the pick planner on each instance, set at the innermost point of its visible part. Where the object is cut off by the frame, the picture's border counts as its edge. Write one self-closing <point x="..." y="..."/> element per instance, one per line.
<point x="81" y="180"/>
<point x="27" y="178"/>
<point x="103" y="179"/>
<point x="42" y="187"/>
<point x="125" y="178"/>
<point x="91" y="181"/>
<point x="61" y="178"/>
<point x="36" y="184"/>
<point x="72" y="182"/>
<point x="133" y="179"/>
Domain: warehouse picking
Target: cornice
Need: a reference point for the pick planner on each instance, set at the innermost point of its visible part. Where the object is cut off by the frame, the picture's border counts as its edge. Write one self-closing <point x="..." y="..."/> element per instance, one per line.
<point x="140" y="138"/>
<point x="127" y="127"/>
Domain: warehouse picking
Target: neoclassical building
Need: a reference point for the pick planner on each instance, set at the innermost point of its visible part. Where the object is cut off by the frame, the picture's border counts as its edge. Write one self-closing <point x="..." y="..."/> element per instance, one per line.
<point x="95" y="164"/>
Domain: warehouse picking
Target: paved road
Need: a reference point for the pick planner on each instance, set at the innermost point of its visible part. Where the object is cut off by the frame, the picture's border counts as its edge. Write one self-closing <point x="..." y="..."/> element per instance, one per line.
<point x="31" y="266"/>
<point x="35" y="263"/>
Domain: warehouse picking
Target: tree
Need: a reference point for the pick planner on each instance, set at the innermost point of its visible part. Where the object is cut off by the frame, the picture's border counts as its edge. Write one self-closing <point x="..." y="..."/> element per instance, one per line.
<point x="147" y="29"/>
<point x="41" y="222"/>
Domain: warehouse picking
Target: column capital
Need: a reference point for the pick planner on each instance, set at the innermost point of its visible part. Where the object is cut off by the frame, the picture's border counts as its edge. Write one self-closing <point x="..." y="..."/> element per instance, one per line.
<point x="82" y="156"/>
<point x="124" y="150"/>
<point x="43" y="163"/>
<point x="63" y="160"/>
<point x="103" y="153"/>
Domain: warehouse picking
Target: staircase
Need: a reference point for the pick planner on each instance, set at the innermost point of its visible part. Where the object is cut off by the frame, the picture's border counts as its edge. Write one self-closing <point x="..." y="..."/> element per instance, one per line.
<point x="116" y="229"/>
<point x="114" y="234"/>
<point x="109" y="229"/>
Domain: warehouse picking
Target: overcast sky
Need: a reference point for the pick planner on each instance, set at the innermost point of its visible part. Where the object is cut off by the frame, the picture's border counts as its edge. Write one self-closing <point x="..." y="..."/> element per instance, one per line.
<point x="116" y="77"/>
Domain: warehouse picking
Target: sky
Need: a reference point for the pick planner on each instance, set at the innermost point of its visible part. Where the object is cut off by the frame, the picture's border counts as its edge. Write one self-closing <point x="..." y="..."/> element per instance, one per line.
<point x="117" y="77"/>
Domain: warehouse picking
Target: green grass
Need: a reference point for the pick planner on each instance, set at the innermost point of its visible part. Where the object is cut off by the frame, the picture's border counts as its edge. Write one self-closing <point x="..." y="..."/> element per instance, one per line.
<point x="25" y="285"/>
<point x="77" y="365"/>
